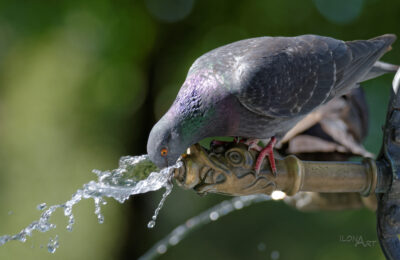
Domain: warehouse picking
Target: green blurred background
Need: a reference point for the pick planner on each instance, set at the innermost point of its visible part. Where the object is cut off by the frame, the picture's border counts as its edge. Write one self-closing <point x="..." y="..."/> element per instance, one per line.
<point x="82" y="83"/>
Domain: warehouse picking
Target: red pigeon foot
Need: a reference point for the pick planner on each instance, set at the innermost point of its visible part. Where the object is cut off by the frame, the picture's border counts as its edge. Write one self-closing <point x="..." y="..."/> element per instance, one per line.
<point x="266" y="151"/>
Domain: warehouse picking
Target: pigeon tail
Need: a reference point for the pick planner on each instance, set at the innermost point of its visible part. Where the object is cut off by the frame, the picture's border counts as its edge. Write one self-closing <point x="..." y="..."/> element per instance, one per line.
<point x="380" y="68"/>
<point x="365" y="54"/>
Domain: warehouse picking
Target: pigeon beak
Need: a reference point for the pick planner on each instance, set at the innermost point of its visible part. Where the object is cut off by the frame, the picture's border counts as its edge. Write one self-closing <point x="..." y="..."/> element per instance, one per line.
<point x="166" y="161"/>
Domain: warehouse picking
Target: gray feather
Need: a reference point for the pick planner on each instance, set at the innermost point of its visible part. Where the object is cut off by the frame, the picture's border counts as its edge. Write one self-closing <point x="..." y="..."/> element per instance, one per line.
<point x="261" y="87"/>
<point x="379" y="69"/>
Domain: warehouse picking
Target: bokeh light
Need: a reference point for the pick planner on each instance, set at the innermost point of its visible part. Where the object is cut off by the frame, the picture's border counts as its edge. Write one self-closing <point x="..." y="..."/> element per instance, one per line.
<point x="170" y="10"/>
<point x="340" y="11"/>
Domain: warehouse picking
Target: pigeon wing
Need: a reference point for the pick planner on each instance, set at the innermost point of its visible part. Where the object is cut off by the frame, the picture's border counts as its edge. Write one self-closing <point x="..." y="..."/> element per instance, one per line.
<point x="289" y="77"/>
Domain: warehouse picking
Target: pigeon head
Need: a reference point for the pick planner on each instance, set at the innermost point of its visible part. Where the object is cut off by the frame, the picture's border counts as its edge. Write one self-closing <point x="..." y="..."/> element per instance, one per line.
<point x="164" y="145"/>
<point x="187" y="121"/>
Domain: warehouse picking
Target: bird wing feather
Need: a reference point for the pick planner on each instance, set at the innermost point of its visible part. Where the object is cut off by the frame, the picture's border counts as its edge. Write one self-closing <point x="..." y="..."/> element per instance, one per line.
<point x="286" y="77"/>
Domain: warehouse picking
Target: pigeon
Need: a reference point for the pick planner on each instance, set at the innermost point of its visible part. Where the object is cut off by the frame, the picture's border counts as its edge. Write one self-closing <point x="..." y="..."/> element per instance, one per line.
<point x="259" y="88"/>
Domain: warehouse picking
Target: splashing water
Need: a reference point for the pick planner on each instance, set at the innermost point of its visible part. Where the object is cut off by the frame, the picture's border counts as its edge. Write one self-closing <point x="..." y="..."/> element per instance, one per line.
<point x="113" y="184"/>
<point x="168" y="190"/>
<point x="53" y="245"/>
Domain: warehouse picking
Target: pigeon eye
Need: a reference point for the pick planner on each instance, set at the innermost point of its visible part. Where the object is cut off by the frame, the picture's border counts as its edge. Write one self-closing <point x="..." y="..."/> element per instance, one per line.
<point x="164" y="152"/>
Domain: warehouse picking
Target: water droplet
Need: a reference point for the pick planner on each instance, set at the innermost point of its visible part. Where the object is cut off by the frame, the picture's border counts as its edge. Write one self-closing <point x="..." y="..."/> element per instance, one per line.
<point x="151" y="224"/>
<point x="214" y="215"/>
<point x="100" y="219"/>
<point x="53" y="245"/>
<point x="71" y="222"/>
<point x="190" y="223"/>
<point x="67" y="211"/>
<point x="97" y="211"/>
<point x="238" y="204"/>
<point x="161" y="249"/>
<point x="41" y="206"/>
<point x="174" y="240"/>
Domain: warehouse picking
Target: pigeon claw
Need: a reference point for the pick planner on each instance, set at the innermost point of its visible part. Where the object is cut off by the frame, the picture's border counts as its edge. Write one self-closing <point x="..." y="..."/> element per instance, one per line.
<point x="267" y="151"/>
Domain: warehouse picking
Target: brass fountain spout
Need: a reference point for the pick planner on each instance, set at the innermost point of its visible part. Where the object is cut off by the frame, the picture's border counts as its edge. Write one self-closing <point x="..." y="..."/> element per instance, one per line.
<point x="229" y="170"/>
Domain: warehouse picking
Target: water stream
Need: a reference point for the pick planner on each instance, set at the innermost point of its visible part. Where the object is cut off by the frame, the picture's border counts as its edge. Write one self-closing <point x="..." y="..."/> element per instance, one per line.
<point x="216" y="212"/>
<point x="119" y="184"/>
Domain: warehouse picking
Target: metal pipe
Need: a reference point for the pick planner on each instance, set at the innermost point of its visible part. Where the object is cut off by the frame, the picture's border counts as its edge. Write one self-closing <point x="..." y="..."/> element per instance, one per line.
<point x="229" y="170"/>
